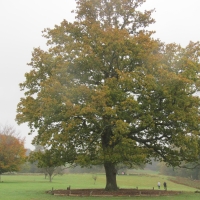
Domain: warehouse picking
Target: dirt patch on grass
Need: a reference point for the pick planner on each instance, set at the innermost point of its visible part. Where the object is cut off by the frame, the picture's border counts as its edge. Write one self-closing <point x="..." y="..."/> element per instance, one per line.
<point x="120" y="192"/>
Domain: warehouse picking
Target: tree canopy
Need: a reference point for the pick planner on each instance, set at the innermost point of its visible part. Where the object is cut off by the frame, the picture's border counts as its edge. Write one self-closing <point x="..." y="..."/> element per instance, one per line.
<point x="106" y="92"/>
<point x="12" y="151"/>
<point x="47" y="161"/>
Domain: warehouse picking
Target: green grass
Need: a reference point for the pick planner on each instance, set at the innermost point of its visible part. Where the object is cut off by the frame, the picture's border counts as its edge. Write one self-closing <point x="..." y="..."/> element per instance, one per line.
<point x="33" y="187"/>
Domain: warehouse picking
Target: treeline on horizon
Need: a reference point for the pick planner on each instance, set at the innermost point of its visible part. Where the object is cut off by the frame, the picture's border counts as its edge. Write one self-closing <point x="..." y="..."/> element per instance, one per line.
<point x="160" y="167"/>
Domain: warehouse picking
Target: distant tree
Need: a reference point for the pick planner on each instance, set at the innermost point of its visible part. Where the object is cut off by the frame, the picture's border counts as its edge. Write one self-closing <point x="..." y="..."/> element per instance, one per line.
<point x="195" y="173"/>
<point x="33" y="162"/>
<point x="46" y="160"/>
<point x="106" y="92"/>
<point x="88" y="169"/>
<point x="53" y="171"/>
<point x="30" y="167"/>
<point x="122" y="168"/>
<point x="12" y="151"/>
<point x="25" y="168"/>
<point x="166" y="170"/>
<point x="94" y="177"/>
<point x="153" y="165"/>
<point x="189" y="170"/>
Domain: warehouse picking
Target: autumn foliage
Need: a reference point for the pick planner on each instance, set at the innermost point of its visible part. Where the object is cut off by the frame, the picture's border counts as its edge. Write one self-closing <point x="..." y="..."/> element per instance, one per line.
<point x="106" y="92"/>
<point x="12" y="151"/>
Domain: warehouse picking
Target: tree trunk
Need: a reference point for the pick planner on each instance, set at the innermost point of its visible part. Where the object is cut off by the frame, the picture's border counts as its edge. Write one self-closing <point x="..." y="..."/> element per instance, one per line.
<point x="111" y="183"/>
<point x="50" y="177"/>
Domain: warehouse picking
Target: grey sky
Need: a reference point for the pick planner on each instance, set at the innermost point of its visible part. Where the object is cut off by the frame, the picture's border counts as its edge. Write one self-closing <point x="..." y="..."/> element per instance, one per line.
<point x="21" y="23"/>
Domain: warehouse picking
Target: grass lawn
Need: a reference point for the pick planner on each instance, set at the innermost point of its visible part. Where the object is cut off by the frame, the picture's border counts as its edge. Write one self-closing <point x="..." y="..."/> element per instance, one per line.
<point x="33" y="187"/>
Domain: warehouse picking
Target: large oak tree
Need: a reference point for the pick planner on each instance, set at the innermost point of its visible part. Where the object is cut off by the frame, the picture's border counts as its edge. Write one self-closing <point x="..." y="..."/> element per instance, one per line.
<point x="106" y="92"/>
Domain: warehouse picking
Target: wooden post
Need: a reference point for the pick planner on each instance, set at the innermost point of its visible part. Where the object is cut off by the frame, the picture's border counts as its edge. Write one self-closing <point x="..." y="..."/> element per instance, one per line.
<point x="52" y="191"/>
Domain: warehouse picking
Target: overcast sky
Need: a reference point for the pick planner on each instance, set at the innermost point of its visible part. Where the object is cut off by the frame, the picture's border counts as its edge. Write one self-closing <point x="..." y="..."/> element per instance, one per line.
<point x="21" y="23"/>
